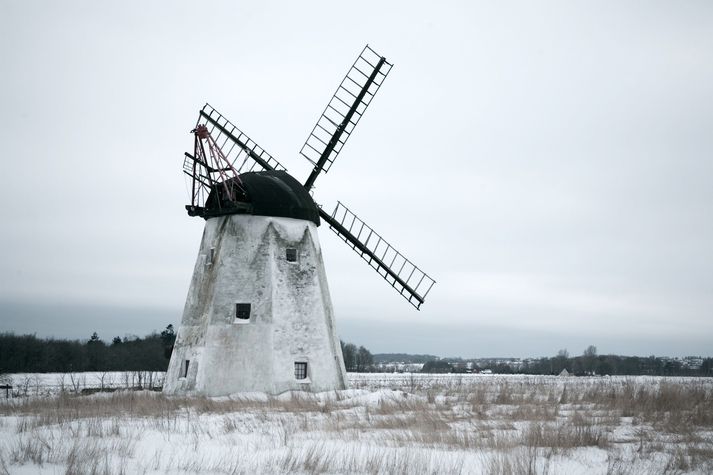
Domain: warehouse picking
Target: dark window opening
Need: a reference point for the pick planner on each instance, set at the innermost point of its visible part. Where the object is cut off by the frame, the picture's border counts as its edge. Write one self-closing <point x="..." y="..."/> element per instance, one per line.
<point x="291" y="255"/>
<point x="300" y="370"/>
<point x="210" y="256"/>
<point x="185" y="368"/>
<point x="242" y="311"/>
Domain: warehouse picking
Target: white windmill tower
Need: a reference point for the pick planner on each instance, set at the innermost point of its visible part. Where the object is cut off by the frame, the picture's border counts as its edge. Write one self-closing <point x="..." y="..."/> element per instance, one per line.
<point x="258" y="316"/>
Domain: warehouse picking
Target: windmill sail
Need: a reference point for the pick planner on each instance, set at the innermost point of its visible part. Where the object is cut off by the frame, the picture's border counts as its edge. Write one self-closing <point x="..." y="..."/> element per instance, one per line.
<point x="343" y="111"/>
<point x="410" y="281"/>
<point x="240" y="151"/>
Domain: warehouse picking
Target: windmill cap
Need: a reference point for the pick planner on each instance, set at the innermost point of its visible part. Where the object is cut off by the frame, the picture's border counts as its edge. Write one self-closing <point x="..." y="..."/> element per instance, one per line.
<point x="272" y="193"/>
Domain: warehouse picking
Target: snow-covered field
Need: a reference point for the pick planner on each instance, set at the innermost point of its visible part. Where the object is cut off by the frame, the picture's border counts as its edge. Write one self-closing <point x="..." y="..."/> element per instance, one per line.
<point x="384" y="424"/>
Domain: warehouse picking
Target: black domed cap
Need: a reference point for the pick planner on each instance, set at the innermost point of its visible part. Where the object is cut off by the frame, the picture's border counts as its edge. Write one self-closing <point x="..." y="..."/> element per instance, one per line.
<point x="277" y="193"/>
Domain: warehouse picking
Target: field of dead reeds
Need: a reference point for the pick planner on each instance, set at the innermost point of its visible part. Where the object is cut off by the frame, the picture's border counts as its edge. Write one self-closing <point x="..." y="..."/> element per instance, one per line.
<point x="385" y="424"/>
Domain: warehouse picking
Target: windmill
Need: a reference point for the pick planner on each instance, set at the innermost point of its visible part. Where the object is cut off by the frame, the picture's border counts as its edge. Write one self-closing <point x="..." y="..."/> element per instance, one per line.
<point x="258" y="315"/>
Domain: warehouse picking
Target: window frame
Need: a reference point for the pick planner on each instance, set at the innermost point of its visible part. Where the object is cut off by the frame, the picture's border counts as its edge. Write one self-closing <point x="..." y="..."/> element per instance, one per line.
<point x="301" y="368"/>
<point x="240" y="309"/>
<point x="184" y="368"/>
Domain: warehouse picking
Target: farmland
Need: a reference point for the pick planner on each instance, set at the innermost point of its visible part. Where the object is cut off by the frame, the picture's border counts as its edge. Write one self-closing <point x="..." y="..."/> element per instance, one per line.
<point x="385" y="423"/>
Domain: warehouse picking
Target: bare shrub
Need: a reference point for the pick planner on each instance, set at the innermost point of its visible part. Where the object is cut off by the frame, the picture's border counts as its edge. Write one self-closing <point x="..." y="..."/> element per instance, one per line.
<point x="525" y="461"/>
<point x="677" y="462"/>
<point x="30" y="449"/>
<point x="701" y="455"/>
<point x="77" y="381"/>
<point x="563" y="396"/>
<point x="230" y="424"/>
<point x="477" y="396"/>
<point x="505" y="395"/>
<point x="534" y="412"/>
<point x="563" y="437"/>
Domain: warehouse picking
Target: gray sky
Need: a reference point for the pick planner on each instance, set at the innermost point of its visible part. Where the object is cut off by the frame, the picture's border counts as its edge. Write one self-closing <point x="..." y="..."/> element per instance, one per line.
<point x="547" y="163"/>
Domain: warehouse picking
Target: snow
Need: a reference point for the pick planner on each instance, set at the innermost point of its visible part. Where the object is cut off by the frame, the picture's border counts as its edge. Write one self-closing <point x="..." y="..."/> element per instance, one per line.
<point x="385" y="423"/>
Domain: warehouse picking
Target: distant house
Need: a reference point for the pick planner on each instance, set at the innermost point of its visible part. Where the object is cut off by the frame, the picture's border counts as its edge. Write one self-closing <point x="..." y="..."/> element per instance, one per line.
<point x="564" y="372"/>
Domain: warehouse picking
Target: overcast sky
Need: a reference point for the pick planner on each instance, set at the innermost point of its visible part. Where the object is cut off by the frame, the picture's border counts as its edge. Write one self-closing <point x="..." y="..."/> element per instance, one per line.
<point x="548" y="164"/>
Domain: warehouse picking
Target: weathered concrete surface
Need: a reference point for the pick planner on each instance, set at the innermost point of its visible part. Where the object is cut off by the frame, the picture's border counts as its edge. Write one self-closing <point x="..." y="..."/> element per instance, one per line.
<point x="291" y="317"/>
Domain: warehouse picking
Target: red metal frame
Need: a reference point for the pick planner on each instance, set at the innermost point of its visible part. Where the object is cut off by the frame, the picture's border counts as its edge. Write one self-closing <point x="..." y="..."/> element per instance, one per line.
<point x="211" y="169"/>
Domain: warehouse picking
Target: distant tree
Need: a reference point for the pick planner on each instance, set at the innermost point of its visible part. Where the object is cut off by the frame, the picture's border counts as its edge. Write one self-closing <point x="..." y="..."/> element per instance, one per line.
<point x="364" y="359"/>
<point x="402" y="358"/>
<point x="437" y="366"/>
<point x="116" y="341"/>
<point x="502" y="368"/>
<point x="672" y="367"/>
<point x="605" y="365"/>
<point x="589" y="358"/>
<point x="629" y="365"/>
<point x="168" y="338"/>
<point x="356" y="359"/>
<point x="96" y="353"/>
<point x="349" y="353"/>
<point x="29" y="354"/>
<point x="561" y="361"/>
<point x="63" y="355"/>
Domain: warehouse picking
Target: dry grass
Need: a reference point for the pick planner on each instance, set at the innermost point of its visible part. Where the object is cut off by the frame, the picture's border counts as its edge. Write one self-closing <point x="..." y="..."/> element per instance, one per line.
<point x="487" y="425"/>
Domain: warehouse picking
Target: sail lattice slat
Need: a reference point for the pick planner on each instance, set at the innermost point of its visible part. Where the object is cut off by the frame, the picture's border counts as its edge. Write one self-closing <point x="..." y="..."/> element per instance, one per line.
<point x="346" y="107"/>
<point x="240" y="150"/>
<point x="403" y="275"/>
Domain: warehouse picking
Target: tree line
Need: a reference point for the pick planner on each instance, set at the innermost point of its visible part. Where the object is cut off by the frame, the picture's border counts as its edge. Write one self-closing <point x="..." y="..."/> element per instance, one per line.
<point x="588" y="363"/>
<point x="357" y="360"/>
<point x="29" y="354"/>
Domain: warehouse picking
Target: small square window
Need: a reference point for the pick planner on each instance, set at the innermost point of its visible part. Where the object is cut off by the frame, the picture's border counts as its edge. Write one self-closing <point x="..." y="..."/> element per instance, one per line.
<point x="300" y="370"/>
<point x="291" y="255"/>
<point x="242" y="311"/>
<point x="184" y="370"/>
